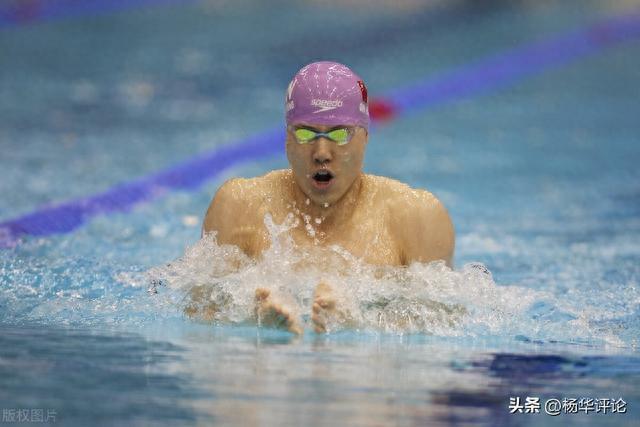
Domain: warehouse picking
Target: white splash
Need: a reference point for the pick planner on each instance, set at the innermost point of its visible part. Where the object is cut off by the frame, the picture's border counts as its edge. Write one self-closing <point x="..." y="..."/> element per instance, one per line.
<point x="421" y="298"/>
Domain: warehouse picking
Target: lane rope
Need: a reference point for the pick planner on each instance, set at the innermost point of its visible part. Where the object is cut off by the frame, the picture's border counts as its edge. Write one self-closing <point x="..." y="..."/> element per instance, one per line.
<point x="477" y="78"/>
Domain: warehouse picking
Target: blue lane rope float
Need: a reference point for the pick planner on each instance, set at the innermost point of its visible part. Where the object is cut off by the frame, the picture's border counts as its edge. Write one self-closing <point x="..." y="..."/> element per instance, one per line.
<point x="477" y="78"/>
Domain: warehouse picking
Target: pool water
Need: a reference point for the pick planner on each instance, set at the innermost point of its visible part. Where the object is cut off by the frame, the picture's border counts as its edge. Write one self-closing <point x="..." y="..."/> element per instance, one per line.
<point x="539" y="176"/>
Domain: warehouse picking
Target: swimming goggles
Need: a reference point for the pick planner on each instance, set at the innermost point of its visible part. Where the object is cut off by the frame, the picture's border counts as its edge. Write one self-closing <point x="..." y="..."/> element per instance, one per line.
<point x="340" y="136"/>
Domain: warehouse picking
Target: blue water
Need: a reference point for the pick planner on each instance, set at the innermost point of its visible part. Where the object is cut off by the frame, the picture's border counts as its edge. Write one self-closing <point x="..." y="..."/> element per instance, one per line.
<point x="539" y="177"/>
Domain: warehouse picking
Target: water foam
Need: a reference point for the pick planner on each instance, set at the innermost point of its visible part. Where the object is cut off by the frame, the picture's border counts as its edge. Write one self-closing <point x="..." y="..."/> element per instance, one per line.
<point x="578" y="299"/>
<point x="420" y="298"/>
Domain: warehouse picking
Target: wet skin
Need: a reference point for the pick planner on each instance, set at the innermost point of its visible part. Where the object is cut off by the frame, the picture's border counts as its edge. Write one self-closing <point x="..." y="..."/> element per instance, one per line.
<point x="377" y="219"/>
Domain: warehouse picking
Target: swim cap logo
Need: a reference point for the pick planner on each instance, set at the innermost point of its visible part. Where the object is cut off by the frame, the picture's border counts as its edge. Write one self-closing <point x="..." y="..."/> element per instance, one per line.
<point x="363" y="91"/>
<point x="290" y="88"/>
<point x="290" y="104"/>
<point x="325" y="104"/>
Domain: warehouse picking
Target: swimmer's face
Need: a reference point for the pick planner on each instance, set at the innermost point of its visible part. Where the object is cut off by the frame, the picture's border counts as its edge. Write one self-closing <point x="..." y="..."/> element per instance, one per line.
<point x="324" y="170"/>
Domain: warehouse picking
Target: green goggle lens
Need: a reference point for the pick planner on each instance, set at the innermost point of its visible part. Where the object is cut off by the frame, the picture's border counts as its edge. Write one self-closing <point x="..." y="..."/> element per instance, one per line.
<point x="340" y="136"/>
<point x="305" y="135"/>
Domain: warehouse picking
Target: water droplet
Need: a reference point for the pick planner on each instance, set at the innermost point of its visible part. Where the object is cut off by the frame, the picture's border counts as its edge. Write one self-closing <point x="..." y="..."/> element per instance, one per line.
<point x="310" y="230"/>
<point x="190" y="220"/>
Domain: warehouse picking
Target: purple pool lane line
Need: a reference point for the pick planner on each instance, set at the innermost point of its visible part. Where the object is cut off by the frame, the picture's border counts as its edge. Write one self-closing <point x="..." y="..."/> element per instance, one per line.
<point x="481" y="77"/>
<point x="66" y="217"/>
<point x="506" y="68"/>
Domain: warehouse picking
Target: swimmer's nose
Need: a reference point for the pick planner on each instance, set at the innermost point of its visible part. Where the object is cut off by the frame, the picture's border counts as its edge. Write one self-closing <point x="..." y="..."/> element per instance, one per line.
<point x="322" y="151"/>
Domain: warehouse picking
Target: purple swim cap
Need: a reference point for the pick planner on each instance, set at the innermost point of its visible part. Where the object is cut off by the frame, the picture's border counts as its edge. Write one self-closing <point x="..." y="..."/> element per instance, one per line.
<point x="327" y="93"/>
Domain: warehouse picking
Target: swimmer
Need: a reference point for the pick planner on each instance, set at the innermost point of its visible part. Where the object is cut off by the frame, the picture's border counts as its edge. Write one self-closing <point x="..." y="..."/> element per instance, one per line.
<point x="377" y="219"/>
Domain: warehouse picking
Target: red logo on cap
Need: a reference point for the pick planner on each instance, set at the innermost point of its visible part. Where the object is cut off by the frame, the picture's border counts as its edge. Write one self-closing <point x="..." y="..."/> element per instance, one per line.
<point x="363" y="89"/>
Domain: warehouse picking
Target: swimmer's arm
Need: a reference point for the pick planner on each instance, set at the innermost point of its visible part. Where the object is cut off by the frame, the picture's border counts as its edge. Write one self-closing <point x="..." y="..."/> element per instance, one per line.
<point x="228" y="215"/>
<point x="425" y="229"/>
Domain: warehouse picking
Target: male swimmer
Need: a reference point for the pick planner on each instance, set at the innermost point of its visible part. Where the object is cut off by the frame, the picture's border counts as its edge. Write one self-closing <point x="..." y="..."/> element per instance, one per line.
<point x="327" y="119"/>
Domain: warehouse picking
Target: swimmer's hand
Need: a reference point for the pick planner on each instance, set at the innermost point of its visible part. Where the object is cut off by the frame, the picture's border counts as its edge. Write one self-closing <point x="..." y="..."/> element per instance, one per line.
<point x="328" y="312"/>
<point x="271" y="311"/>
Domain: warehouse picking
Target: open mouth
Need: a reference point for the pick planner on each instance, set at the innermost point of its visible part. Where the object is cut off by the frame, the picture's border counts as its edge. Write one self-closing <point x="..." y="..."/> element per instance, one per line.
<point x="322" y="179"/>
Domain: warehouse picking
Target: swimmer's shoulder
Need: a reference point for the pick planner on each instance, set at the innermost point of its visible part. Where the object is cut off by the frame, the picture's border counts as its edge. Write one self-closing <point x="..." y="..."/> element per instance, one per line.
<point x="398" y="195"/>
<point x="418" y="219"/>
<point x="234" y="203"/>
<point x="243" y="199"/>
<point x="275" y="178"/>
<point x="232" y="192"/>
<point x="251" y="190"/>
